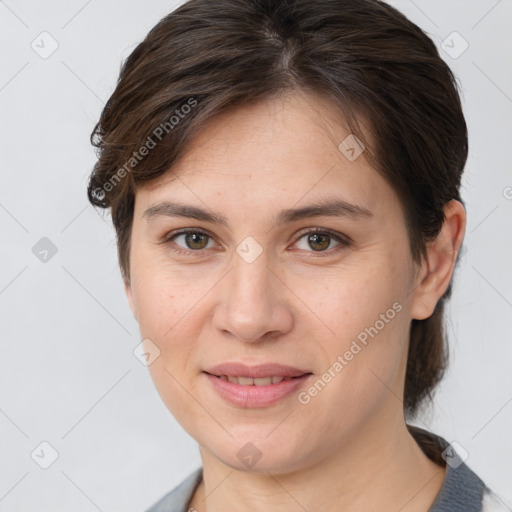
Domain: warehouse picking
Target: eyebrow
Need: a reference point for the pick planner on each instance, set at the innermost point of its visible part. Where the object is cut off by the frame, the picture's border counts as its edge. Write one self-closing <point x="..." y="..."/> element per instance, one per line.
<point x="328" y="208"/>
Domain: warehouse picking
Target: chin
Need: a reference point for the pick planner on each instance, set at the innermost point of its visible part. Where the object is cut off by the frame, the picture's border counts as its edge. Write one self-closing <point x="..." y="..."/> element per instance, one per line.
<point x="259" y="453"/>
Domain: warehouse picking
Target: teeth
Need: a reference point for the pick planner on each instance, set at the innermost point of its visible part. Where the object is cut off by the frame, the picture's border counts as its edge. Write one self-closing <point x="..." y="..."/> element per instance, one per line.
<point x="249" y="381"/>
<point x="264" y="381"/>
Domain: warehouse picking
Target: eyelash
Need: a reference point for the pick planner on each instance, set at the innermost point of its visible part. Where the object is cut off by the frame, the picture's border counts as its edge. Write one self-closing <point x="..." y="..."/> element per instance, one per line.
<point x="342" y="240"/>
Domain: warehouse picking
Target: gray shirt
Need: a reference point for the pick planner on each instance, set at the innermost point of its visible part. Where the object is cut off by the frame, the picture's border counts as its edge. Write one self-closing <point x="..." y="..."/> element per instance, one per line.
<point x="462" y="490"/>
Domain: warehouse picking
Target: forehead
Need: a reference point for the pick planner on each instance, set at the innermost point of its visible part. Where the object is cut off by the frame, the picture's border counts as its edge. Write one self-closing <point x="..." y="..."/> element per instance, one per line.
<point x="283" y="150"/>
<point x="292" y="125"/>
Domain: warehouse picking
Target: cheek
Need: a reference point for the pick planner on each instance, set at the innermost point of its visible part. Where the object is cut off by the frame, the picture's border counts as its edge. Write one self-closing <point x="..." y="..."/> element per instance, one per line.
<point x="170" y="314"/>
<point x="367" y="315"/>
<point x="157" y="309"/>
<point x="165" y="301"/>
<point x="349" y="301"/>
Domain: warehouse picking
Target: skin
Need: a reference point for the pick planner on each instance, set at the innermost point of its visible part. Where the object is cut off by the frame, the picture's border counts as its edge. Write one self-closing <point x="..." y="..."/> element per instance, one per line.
<point x="299" y="304"/>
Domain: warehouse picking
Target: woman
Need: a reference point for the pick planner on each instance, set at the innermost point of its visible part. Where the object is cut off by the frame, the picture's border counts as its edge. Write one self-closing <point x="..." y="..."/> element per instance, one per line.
<point x="283" y="178"/>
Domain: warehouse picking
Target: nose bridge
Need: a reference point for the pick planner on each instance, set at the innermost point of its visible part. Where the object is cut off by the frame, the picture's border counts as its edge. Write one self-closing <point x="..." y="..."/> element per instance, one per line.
<point x="253" y="304"/>
<point x="250" y="280"/>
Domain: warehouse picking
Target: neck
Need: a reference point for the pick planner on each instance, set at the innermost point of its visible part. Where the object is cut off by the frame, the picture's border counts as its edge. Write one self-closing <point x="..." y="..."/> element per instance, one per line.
<point x="376" y="469"/>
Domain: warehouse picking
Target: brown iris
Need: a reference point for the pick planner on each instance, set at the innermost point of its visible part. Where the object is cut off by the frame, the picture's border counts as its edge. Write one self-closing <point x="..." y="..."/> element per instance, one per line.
<point x="320" y="240"/>
<point x="196" y="240"/>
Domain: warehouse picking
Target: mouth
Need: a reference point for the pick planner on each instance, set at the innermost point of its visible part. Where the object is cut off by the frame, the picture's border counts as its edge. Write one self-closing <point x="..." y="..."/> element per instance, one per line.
<point x="255" y="386"/>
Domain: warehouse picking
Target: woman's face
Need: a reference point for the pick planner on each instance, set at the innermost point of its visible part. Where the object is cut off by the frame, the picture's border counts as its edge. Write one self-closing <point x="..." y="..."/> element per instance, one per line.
<point x="256" y="286"/>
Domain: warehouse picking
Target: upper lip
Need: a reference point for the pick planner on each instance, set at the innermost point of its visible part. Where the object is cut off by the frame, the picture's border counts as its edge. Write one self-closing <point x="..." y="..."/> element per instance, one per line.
<point x="258" y="371"/>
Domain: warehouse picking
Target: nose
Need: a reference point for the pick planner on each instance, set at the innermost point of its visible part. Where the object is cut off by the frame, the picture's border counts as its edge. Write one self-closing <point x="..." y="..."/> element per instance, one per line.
<point x="253" y="303"/>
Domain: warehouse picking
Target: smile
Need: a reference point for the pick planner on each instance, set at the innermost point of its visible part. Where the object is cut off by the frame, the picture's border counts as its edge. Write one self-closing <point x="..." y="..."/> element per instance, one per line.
<point x="255" y="386"/>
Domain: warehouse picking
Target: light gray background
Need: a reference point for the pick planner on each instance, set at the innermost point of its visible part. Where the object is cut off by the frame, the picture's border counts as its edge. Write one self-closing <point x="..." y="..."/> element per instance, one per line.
<point x="67" y="372"/>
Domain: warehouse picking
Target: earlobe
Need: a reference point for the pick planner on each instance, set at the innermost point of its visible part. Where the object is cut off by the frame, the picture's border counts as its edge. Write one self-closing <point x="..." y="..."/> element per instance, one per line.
<point x="129" y="296"/>
<point x="438" y="266"/>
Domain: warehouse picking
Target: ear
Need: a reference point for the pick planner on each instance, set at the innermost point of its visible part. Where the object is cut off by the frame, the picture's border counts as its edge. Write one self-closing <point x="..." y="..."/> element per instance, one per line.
<point x="129" y="296"/>
<point x="435" y="273"/>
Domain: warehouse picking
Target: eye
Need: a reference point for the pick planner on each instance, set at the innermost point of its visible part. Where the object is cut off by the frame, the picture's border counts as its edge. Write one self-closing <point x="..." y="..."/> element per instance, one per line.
<point x="320" y="240"/>
<point x="194" y="241"/>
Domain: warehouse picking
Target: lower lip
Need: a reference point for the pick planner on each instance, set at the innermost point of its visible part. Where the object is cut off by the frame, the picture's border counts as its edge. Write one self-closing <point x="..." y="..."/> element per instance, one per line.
<point x="255" y="396"/>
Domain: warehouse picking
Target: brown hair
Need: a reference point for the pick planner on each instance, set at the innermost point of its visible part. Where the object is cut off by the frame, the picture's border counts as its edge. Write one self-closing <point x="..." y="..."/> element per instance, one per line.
<point x="369" y="60"/>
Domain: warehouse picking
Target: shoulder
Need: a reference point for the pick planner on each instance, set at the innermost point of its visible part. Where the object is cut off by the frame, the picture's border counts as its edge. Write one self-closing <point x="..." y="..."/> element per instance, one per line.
<point x="178" y="499"/>
<point x="462" y="490"/>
